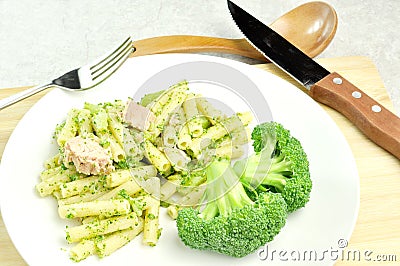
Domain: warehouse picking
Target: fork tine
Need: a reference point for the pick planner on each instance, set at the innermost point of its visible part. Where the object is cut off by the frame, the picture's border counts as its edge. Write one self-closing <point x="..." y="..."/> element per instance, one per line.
<point x="107" y="64"/>
<point x="96" y="66"/>
<point x="111" y="66"/>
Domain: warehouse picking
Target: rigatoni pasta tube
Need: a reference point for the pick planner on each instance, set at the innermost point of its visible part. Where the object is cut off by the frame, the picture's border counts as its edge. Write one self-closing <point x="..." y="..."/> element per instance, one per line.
<point x="83" y="197"/>
<point x="177" y="118"/>
<point x="117" y="152"/>
<point x="193" y="198"/>
<point x="50" y="172"/>
<point x="100" y="227"/>
<point x="245" y="117"/>
<point x="130" y="187"/>
<point x="194" y="121"/>
<point x="160" y="121"/>
<point x="105" y="208"/>
<point x="208" y="110"/>
<point x="91" y="183"/>
<point x="53" y="183"/>
<point x="151" y="221"/>
<point x="84" y="122"/>
<point x="237" y="137"/>
<point x="117" y="178"/>
<point x="144" y="171"/>
<point x="168" y="189"/>
<point x="184" y="138"/>
<point x="60" y="175"/>
<point x="82" y="250"/>
<point x="215" y="133"/>
<point x="70" y="128"/>
<point x="178" y="158"/>
<point x="189" y="106"/>
<point x="53" y="162"/>
<point x="116" y="127"/>
<point x="156" y="157"/>
<point x="169" y="136"/>
<point x="163" y="99"/>
<point x="172" y="211"/>
<point x="110" y="243"/>
<point x="229" y="151"/>
<point x="100" y="121"/>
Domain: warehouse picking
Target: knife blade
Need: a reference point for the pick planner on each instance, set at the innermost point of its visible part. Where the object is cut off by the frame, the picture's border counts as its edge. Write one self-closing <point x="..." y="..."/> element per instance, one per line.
<point x="374" y="120"/>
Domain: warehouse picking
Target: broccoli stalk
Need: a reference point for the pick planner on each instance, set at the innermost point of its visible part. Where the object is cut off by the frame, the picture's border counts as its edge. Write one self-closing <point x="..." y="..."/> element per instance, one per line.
<point x="279" y="172"/>
<point x="230" y="222"/>
<point x="224" y="193"/>
<point x="285" y="170"/>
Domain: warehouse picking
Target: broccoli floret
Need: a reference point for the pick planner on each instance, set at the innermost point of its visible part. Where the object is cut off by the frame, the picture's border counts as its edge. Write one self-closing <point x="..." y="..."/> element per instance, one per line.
<point x="230" y="222"/>
<point x="283" y="169"/>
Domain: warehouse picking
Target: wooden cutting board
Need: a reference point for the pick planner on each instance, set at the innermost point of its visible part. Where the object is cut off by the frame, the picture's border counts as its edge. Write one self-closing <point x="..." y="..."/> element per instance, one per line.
<point x="377" y="231"/>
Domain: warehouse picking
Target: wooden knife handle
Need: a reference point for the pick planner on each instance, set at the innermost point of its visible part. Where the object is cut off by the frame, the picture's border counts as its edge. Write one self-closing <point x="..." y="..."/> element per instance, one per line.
<point x="374" y="120"/>
<point x="193" y="44"/>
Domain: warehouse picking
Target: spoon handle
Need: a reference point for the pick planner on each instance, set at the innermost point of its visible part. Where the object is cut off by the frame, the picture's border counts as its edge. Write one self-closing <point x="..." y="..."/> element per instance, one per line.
<point x="195" y="44"/>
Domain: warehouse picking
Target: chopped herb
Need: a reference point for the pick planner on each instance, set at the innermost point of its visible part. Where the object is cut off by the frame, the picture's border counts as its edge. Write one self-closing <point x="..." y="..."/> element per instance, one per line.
<point x="123" y="194"/>
<point x="63" y="167"/>
<point x="164" y="204"/>
<point x="73" y="177"/>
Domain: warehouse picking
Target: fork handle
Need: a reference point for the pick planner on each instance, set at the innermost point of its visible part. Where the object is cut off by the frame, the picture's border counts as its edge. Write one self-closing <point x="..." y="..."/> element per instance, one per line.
<point x="22" y="95"/>
<point x="193" y="44"/>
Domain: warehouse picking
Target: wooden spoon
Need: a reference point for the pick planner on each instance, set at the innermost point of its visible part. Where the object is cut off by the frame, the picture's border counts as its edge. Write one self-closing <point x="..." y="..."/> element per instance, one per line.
<point x="311" y="27"/>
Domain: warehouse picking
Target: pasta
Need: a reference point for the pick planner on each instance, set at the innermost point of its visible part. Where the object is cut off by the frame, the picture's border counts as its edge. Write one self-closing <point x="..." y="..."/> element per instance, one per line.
<point x="76" y="187"/>
<point x="50" y="172"/>
<point x="184" y="138"/>
<point x="82" y="197"/>
<point x="53" y="178"/>
<point x="118" y="153"/>
<point x="105" y="208"/>
<point x="130" y="187"/>
<point x="116" y="127"/>
<point x="117" y="178"/>
<point x="170" y="136"/>
<point x="147" y="167"/>
<point x="100" y="121"/>
<point x="157" y="158"/>
<point x="70" y="128"/>
<point x="165" y="97"/>
<point x="195" y="123"/>
<point x="218" y="131"/>
<point x="100" y="227"/>
<point x="150" y="227"/>
<point x="84" y="249"/>
<point x="84" y="122"/>
<point x="107" y="245"/>
<point x="169" y="188"/>
<point x="209" y="111"/>
<point x="52" y="162"/>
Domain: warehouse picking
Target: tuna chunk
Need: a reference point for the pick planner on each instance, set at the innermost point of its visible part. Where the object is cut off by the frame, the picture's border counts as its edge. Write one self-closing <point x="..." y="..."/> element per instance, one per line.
<point x="138" y="116"/>
<point x="88" y="156"/>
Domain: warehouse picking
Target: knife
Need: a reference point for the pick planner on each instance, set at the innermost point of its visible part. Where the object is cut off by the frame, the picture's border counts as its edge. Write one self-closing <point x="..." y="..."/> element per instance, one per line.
<point x="374" y="120"/>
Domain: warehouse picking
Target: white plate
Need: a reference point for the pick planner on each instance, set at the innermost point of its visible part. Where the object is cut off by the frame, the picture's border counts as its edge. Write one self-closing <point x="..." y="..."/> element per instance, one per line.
<point x="328" y="219"/>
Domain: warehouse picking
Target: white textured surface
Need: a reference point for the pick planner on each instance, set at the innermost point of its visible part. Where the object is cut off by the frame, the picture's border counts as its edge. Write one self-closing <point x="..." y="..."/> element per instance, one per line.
<point x="42" y="39"/>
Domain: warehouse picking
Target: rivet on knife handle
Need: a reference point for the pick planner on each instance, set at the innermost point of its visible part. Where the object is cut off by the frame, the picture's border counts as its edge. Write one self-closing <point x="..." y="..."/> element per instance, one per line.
<point x="374" y="120"/>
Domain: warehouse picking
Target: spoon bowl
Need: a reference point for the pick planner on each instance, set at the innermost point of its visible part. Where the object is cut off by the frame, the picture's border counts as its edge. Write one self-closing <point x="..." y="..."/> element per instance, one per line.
<point x="311" y="27"/>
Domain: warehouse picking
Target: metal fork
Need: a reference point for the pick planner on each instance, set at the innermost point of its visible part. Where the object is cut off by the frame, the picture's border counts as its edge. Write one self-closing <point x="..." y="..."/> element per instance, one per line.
<point x="82" y="78"/>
